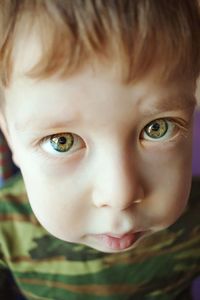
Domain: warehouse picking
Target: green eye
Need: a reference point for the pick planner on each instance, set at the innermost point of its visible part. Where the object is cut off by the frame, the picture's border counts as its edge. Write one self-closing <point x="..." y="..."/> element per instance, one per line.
<point x="62" y="142"/>
<point x="156" y="129"/>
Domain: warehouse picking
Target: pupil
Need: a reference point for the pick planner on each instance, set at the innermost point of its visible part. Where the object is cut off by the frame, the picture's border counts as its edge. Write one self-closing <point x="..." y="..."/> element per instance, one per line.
<point x="155" y="127"/>
<point x="62" y="140"/>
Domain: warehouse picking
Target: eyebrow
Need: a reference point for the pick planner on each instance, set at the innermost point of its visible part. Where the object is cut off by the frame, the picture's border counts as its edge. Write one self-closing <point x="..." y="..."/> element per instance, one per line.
<point x="164" y="104"/>
<point x="41" y="126"/>
<point x="182" y="102"/>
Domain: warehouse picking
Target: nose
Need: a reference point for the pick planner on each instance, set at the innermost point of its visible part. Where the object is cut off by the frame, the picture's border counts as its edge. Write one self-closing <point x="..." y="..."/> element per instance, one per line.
<point x="117" y="183"/>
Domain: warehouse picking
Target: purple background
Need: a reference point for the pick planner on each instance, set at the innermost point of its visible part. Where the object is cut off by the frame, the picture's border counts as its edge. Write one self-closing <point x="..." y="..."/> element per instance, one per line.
<point x="196" y="171"/>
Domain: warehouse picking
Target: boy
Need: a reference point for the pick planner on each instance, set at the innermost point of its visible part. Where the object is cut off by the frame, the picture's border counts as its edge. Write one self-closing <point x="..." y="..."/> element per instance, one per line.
<point x="97" y="101"/>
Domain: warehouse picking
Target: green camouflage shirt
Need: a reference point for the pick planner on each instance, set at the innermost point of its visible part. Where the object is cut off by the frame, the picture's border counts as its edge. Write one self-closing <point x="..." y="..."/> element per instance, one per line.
<point x="162" y="267"/>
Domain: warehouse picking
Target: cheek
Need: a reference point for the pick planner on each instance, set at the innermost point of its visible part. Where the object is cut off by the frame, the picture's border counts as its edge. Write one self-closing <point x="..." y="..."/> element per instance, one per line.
<point x="170" y="198"/>
<point x="168" y="187"/>
<point x="59" y="207"/>
<point x="169" y="166"/>
<point x="176" y="201"/>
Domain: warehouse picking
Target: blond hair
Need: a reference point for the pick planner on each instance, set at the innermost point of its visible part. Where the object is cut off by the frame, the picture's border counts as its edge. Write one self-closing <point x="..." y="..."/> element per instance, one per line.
<point x="141" y="34"/>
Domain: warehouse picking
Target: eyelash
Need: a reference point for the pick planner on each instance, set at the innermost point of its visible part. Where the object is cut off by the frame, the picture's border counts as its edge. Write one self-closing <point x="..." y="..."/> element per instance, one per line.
<point x="173" y="127"/>
<point x="47" y="144"/>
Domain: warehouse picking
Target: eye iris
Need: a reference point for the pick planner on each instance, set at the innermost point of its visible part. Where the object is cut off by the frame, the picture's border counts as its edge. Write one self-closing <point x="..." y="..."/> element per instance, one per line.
<point x="156" y="129"/>
<point x="62" y="142"/>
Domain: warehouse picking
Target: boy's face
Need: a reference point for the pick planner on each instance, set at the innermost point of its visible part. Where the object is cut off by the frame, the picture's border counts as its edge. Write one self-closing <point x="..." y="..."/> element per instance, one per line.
<point x="94" y="171"/>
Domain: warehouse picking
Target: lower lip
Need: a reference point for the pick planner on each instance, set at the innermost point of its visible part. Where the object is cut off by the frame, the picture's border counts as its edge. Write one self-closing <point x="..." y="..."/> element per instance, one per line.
<point x="119" y="243"/>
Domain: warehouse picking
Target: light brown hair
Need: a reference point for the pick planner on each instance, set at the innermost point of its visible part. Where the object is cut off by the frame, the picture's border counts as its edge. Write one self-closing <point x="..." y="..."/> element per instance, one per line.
<point x="141" y="34"/>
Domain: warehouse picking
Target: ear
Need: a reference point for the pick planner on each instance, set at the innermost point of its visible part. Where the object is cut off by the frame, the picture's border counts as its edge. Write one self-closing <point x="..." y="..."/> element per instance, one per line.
<point x="5" y="130"/>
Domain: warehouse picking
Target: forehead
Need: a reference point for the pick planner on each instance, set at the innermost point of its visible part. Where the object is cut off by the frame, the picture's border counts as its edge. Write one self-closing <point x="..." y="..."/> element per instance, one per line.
<point x="29" y="48"/>
<point x="99" y="84"/>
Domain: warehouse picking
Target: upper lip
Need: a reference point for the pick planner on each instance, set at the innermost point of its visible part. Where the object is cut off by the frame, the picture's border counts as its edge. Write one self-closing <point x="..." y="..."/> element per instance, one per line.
<point x="123" y="234"/>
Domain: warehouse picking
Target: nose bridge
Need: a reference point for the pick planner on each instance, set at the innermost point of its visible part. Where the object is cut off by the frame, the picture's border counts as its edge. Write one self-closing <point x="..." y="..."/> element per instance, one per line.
<point x="117" y="182"/>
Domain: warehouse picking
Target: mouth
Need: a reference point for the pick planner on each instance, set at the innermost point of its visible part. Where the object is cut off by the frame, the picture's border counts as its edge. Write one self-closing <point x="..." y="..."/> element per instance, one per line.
<point x="120" y="242"/>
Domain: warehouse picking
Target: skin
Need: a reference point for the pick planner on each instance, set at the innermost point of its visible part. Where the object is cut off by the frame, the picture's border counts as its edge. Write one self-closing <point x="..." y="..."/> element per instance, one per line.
<point x="115" y="180"/>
